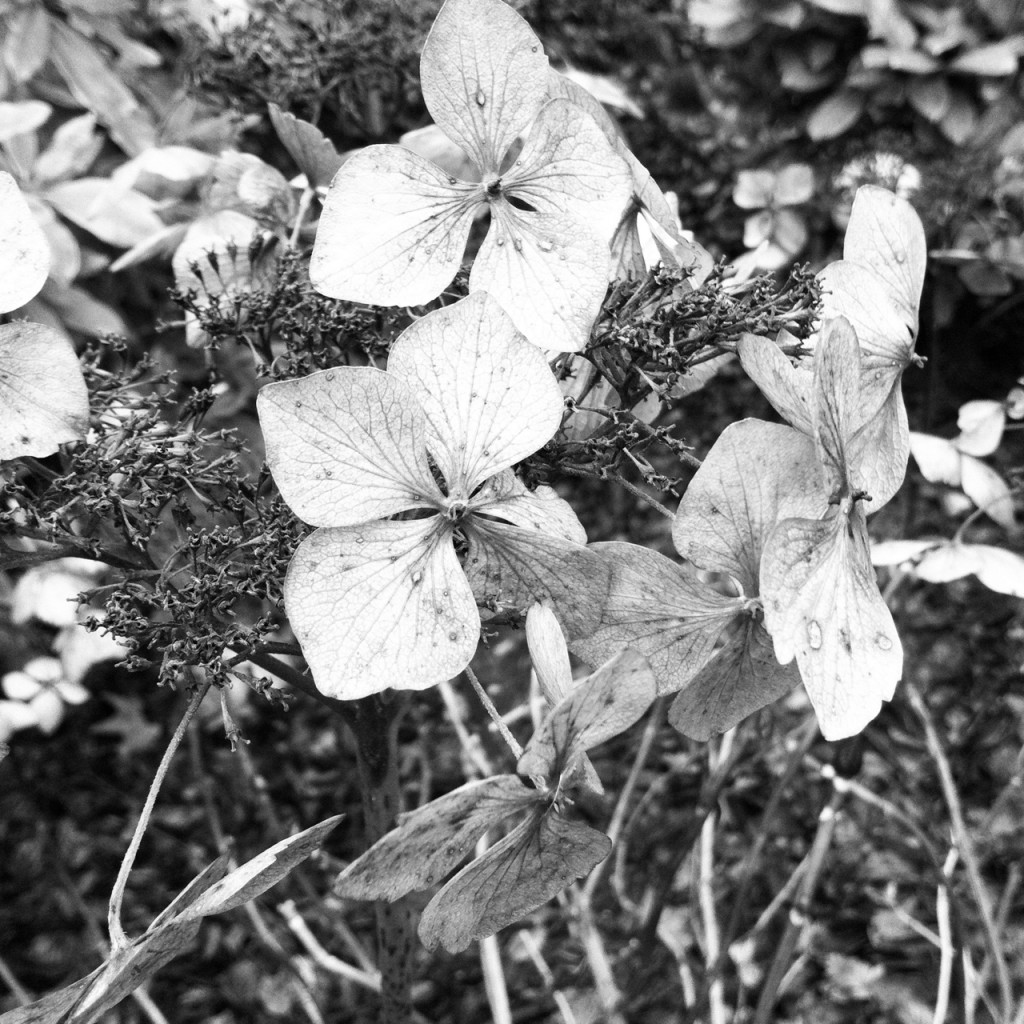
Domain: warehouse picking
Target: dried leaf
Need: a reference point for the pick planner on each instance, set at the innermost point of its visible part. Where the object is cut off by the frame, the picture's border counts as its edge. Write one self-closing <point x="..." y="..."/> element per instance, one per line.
<point x="314" y="154"/>
<point x="43" y="398"/>
<point x="429" y="842"/>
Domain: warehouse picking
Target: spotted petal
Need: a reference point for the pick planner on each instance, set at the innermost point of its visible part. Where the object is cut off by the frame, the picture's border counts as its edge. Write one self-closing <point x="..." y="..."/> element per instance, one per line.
<point x="347" y="446"/>
<point x="506" y="497"/>
<point x="381" y="605"/>
<point x="484" y="76"/>
<point x="488" y="394"/>
<point x="548" y="270"/>
<point x="393" y="229"/>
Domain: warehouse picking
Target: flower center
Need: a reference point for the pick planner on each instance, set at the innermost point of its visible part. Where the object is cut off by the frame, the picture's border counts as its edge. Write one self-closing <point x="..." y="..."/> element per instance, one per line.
<point x="455" y="510"/>
<point x="494" y="188"/>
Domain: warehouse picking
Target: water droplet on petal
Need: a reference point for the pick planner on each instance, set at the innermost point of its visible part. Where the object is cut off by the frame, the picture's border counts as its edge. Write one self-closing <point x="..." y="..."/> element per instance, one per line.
<point x="416" y="577"/>
<point x="500" y="241"/>
<point x="883" y="642"/>
<point x="518" y="243"/>
<point x="545" y="245"/>
<point x="330" y="375"/>
<point x="328" y="472"/>
<point x="451" y="180"/>
<point x="534" y="48"/>
<point x="298" y="405"/>
<point x="486" y="452"/>
<point x="360" y="539"/>
<point x="814" y="635"/>
<point x="900" y="258"/>
<point x="453" y="636"/>
<point x="481" y="99"/>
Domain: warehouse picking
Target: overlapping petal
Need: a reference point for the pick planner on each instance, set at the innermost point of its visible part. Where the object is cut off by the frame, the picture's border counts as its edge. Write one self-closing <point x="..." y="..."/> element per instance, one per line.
<point x="484" y="77"/>
<point x="347" y="446"/>
<point x="488" y="395"/>
<point x="382" y="604"/>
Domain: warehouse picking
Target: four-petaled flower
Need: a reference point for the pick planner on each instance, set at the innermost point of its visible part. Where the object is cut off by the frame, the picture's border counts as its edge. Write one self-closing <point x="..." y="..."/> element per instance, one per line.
<point x="392" y="465"/>
<point x="394" y="226"/>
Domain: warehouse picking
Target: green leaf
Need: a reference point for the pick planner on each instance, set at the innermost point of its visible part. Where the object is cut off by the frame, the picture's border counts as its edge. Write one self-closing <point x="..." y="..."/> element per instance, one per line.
<point x="43" y="398"/>
<point x="119" y="217"/>
<point x="659" y="609"/>
<point x="835" y="115"/>
<point x="533" y="863"/>
<point x="509" y="567"/>
<point x="314" y="154"/>
<point x="347" y="446"/>
<point x="382" y="604"/>
<point x="489" y="396"/>
<point x="822" y="606"/>
<point x="429" y="842"/>
<point x="599" y="707"/>
<point x="24" y="252"/>
<point x="393" y="229"/>
<point x="484" y="77"/>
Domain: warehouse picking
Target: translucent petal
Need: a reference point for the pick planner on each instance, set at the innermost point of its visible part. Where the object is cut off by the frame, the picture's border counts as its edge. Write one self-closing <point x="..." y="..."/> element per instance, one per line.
<point x="548" y="271"/>
<point x="785" y="386"/>
<point x="549" y="653"/>
<point x="568" y="166"/>
<point x="506" y="497"/>
<point x="385" y="604"/>
<point x="533" y="863"/>
<point x="822" y="606"/>
<point x="428" y="842"/>
<point x="484" y="77"/>
<point x="393" y="229"/>
<point x="755" y="474"/>
<point x="24" y="254"/>
<point x="347" y="446"/>
<point x="43" y="398"/>
<point x="835" y="403"/>
<point x="488" y="394"/>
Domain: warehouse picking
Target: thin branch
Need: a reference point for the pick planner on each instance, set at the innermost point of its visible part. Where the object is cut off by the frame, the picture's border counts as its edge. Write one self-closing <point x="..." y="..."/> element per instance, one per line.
<point x="506" y="734"/>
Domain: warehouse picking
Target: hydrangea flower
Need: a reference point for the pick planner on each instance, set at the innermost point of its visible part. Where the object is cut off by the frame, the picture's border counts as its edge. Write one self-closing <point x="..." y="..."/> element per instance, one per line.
<point x="393" y="466"/>
<point x="36" y="696"/>
<point x="395" y="225"/>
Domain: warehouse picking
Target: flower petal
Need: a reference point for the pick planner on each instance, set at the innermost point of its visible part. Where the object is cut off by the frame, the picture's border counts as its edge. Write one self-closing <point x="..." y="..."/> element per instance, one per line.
<point x="484" y="76"/>
<point x="549" y="272"/>
<point x="513" y="568"/>
<point x="659" y="609"/>
<point x="787" y="387"/>
<point x="822" y="606"/>
<point x="20" y="686"/>
<point x="567" y="165"/>
<point x="488" y="394"/>
<point x="393" y="229"/>
<point x="25" y="259"/>
<point x="549" y="653"/>
<point x="43" y="398"/>
<point x="506" y="497"/>
<point x="755" y="474"/>
<point x="386" y="604"/>
<point x="347" y="446"/>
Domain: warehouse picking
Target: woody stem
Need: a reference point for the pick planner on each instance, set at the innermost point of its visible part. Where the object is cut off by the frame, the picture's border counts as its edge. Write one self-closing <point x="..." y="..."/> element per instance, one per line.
<point x="376" y="729"/>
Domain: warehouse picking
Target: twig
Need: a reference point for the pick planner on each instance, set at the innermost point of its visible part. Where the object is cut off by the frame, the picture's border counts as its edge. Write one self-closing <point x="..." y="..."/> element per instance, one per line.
<point x="607" y="990"/>
<point x="327" y="961"/>
<point x="118" y="939"/>
<point x="534" y="953"/>
<point x="945" y="940"/>
<point x="495" y="716"/>
<point x="708" y="915"/>
<point x="17" y="990"/>
<point x="964" y="844"/>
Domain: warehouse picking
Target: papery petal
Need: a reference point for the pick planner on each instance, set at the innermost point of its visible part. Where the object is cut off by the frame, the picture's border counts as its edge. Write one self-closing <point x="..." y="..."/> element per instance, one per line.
<point x="742" y="677"/>
<point x="981" y="424"/>
<point x="660" y="609"/>
<point x="347" y="446"/>
<point x="20" y="686"/>
<point x="48" y="709"/>
<point x="44" y="402"/>
<point x="25" y="259"/>
<point x="568" y="166"/>
<point x="754" y="189"/>
<point x="548" y="271"/>
<point x="937" y="458"/>
<point x="484" y="76"/>
<point x="755" y="474"/>
<point x="393" y="229"/>
<point x="881" y="449"/>
<point x="834" y="404"/>
<point x="506" y="497"/>
<point x="489" y="396"/>
<point x="822" y="606"/>
<point x="548" y="652"/>
<point x="794" y="185"/>
<point x="784" y="385"/>
<point x="512" y="568"/>
<point x="381" y="605"/>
